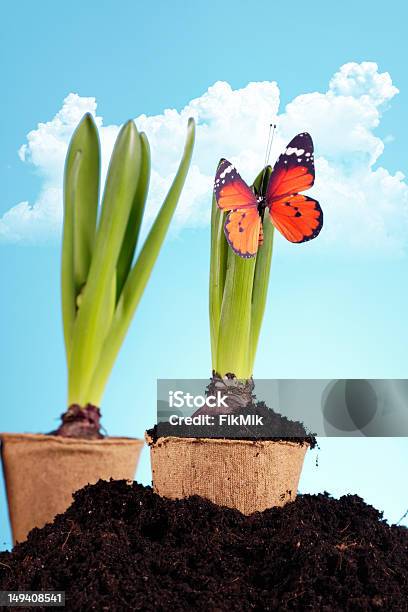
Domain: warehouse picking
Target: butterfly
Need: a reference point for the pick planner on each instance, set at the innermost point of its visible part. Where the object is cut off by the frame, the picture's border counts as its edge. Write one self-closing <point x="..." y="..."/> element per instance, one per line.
<point x="298" y="217"/>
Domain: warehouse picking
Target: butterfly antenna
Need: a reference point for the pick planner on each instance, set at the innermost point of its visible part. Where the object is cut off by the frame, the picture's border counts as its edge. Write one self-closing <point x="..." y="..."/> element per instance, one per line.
<point x="271" y="134"/>
<point x="267" y="144"/>
<point x="268" y="152"/>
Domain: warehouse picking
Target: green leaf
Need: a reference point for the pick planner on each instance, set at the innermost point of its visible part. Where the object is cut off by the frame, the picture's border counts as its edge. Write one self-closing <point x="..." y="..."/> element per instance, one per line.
<point x="218" y="271"/>
<point x="260" y="288"/>
<point x="262" y="268"/>
<point x="261" y="182"/>
<point x="90" y="324"/>
<point x="135" y="218"/>
<point x="139" y="276"/>
<point x="81" y="194"/>
<point x="68" y="292"/>
<point x="235" y="321"/>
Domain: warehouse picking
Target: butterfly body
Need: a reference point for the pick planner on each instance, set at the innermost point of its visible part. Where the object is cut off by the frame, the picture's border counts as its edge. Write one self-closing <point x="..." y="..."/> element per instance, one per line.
<point x="261" y="205"/>
<point x="298" y="217"/>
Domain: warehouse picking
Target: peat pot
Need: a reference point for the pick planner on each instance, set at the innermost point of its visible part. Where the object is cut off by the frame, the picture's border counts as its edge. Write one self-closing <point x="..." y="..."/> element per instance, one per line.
<point x="43" y="471"/>
<point x="250" y="475"/>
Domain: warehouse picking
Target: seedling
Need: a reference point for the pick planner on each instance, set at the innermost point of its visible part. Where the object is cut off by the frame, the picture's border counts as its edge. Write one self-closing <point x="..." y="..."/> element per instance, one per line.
<point x="241" y="252"/>
<point x="102" y="281"/>
<point x="238" y="290"/>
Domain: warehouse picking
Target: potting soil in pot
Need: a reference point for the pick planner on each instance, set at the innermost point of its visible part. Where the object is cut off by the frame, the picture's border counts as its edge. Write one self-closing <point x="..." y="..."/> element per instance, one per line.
<point x="274" y="427"/>
<point x="121" y="547"/>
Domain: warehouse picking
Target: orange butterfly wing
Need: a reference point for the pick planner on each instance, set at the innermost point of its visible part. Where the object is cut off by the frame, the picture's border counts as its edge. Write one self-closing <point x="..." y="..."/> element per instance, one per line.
<point x="243" y="226"/>
<point x="231" y="192"/>
<point x="298" y="217"/>
<point x="243" y="230"/>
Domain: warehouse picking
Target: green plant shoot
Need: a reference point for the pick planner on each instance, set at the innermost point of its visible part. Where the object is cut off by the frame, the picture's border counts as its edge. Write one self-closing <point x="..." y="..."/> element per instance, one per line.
<point x="238" y="291"/>
<point x="102" y="281"/>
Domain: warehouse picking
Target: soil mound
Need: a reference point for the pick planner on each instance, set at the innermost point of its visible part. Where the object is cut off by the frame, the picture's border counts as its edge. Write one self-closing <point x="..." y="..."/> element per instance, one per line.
<point x="121" y="547"/>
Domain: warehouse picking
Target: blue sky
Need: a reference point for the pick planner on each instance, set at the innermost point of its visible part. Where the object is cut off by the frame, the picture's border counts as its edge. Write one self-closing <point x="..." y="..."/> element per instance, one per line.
<point x="337" y="307"/>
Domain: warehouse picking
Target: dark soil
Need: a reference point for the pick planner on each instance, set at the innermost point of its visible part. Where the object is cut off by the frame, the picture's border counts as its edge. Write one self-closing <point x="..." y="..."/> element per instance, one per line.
<point x="275" y="426"/>
<point x="121" y="547"/>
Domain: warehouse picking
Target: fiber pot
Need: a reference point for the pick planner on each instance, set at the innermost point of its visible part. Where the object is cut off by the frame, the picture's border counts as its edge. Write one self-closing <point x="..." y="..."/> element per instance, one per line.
<point x="43" y="471"/>
<point x="250" y="475"/>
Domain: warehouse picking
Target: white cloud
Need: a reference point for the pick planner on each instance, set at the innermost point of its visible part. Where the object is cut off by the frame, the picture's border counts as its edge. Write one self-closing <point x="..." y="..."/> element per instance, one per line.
<point x="360" y="80"/>
<point x="365" y="206"/>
